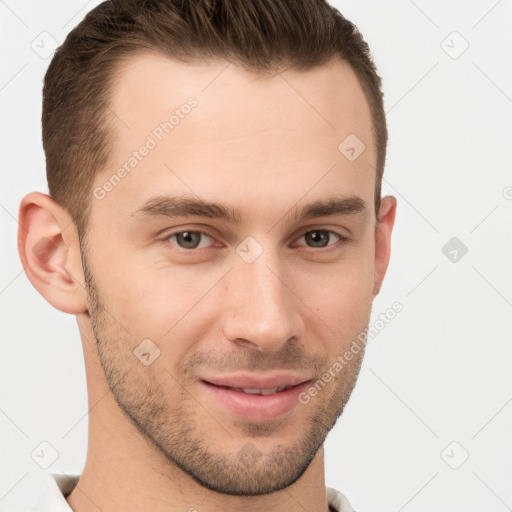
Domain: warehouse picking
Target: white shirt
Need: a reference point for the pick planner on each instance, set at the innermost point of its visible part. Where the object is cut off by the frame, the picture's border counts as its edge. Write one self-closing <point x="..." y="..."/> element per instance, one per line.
<point x="58" y="486"/>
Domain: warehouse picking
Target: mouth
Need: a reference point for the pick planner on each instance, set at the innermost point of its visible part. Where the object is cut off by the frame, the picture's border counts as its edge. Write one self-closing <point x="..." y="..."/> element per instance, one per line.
<point x="256" y="399"/>
<point x="256" y="391"/>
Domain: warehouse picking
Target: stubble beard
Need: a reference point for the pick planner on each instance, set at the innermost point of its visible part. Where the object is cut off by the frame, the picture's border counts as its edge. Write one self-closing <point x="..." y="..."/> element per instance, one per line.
<point x="182" y="440"/>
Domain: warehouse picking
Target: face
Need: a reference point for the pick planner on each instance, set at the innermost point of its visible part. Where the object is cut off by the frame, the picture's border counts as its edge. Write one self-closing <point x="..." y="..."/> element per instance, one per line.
<point x="235" y="255"/>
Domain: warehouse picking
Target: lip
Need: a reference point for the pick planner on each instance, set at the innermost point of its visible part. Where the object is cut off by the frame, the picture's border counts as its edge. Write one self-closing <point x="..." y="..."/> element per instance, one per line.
<point x="247" y="380"/>
<point x="254" y="407"/>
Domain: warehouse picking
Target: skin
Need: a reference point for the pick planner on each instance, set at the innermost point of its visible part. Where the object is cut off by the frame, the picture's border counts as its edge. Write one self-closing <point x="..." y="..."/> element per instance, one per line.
<point x="157" y="438"/>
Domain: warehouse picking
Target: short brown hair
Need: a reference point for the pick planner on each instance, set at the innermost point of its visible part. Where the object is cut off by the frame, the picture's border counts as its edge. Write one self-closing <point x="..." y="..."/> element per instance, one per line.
<point x="258" y="35"/>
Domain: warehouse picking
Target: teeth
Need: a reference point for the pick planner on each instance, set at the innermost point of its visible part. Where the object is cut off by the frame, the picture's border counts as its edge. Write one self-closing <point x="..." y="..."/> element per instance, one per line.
<point x="270" y="391"/>
<point x="255" y="391"/>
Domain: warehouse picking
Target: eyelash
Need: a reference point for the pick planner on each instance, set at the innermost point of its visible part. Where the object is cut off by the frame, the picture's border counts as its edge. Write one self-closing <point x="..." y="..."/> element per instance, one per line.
<point x="342" y="239"/>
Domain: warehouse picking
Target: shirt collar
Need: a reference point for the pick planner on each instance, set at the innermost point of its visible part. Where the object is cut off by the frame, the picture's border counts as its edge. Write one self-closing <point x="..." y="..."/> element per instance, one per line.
<point x="53" y="499"/>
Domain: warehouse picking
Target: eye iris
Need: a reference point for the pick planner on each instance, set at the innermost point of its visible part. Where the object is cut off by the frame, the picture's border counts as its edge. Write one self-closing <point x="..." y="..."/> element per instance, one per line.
<point x="188" y="238"/>
<point x="191" y="239"/>
<point x="318" y="237"/>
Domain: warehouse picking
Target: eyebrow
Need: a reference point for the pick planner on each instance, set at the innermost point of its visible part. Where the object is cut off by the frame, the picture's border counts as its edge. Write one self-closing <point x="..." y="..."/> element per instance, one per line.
<point x="180" y="206"/>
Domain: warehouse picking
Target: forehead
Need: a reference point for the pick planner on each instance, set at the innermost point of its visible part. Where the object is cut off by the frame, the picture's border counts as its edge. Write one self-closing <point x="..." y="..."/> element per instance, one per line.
<point x="329" y="96"/>
<point x="282" y="131"/>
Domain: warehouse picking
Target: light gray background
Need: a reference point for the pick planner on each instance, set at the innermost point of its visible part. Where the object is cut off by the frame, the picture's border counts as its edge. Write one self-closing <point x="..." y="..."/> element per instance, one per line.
<point x="438" y="373"/>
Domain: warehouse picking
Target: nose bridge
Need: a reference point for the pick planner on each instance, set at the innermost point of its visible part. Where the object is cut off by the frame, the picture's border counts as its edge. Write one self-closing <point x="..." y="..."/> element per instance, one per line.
<point x="261" y="307"/>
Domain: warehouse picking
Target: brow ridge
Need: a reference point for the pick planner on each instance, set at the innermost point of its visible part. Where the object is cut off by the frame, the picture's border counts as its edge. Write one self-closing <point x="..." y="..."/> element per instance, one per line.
<point x="183" y="206"/>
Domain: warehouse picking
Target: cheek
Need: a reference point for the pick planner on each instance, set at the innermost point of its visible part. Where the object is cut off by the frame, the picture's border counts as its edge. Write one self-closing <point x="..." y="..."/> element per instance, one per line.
<point x="158" y="303"/>
<point x="345" y="304"/>
<point x="341" y="295"/>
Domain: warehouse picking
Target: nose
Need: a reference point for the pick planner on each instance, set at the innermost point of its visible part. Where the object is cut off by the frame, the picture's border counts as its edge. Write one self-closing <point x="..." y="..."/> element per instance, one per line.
<point x="262" y="309"/>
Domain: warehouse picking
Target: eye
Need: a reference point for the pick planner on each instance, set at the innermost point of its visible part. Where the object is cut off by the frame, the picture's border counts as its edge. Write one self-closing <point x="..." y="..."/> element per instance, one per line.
<point x="189" y="239"/>
<point x="320" y="237"/>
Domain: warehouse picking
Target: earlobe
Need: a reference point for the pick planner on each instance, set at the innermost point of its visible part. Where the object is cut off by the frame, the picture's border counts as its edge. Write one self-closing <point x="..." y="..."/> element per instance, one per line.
<point x="384" y="228"/>
<point x="50" y="253"/>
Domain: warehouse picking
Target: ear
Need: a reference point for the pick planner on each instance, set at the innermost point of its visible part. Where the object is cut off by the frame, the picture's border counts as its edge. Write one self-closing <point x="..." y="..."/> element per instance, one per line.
<point x="385" y="222"/>
<point x="50" y="253"/>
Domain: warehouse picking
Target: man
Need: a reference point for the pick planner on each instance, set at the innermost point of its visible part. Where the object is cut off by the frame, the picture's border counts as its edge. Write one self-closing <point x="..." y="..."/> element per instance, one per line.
<point x="215" y="223"/>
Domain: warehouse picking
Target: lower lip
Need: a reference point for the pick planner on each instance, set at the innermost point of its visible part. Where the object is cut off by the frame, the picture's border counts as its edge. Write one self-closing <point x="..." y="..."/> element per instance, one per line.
<point x="257" y="407"/>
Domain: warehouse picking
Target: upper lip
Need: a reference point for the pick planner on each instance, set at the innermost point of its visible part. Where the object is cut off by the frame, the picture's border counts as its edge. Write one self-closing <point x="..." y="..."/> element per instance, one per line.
<point x="247" y="380"/>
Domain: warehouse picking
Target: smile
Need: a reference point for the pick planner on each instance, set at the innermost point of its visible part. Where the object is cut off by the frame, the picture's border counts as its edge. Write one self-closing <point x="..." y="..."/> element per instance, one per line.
<point x="265" y="402"/>
<point x="254" y="391"/>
